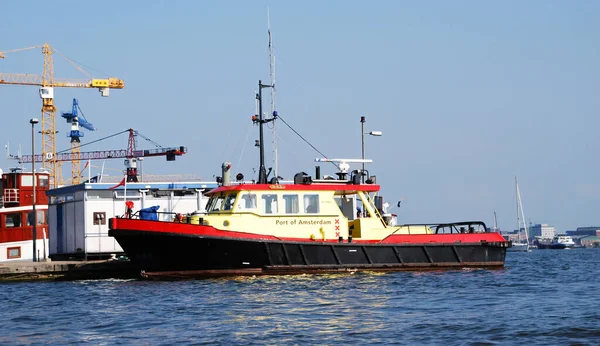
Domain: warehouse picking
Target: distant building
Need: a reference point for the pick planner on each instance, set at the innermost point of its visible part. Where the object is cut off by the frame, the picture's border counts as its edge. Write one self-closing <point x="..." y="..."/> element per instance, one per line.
<point x="590" y="241"/>
<point x="513" y="235"/>
<point x="541" y="231"/>
<point x="591" y="230"/>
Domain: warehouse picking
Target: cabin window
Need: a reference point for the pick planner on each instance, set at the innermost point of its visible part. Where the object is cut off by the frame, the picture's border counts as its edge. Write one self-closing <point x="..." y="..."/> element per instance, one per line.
<point x="99" y="218"/>
<point x="40" y="217"/>
<point x="13" y="252"/>
<point x="215" y="204"/>
<point x="247" y="201"/>
<point x="291" y="204"/>
<point x="311" y="203"/>
<point x="27" y="180"/>
<point x="269" y="202"/>
<point x="44" y="180"/>
<point x="12" y="220"/>
<point x="229" y="200"/>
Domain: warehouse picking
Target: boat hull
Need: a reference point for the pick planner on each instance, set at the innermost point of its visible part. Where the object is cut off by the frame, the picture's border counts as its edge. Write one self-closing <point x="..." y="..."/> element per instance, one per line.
<point x="553" y="246"/>
<point x="174" y="255"/>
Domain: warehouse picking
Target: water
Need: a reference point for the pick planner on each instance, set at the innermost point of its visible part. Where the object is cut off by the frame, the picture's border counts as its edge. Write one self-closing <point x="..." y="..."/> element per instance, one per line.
<point x="545" y="297"/>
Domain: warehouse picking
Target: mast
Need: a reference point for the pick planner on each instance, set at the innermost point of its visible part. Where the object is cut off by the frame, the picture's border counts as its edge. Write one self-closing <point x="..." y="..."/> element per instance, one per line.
<point x="520" y="206"/>
<point x="262" y="172"/>
<point x="517" y="201"/>
<point x="495" y="222"/>
<point x="272" y="77"/>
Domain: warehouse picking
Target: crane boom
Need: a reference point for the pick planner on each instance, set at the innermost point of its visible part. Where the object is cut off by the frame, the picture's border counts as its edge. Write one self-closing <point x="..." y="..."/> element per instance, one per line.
<point x="170" y="153"/>
<point x="36" y="80"/>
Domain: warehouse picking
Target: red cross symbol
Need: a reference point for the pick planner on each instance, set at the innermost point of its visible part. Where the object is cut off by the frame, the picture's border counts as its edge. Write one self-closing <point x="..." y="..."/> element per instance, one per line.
<point x="337" y="234"/>
<point x="337" y="221"/>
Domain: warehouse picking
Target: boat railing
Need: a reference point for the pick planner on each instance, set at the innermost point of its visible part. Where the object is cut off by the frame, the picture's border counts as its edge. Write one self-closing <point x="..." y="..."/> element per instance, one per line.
<point x="461" y="227"/>
<point x="10" y="196"/>
<point x="444" y="228"/>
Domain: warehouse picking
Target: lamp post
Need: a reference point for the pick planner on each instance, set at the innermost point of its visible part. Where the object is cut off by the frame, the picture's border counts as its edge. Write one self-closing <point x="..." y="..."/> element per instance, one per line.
<point x="33" y="122"/>
<point x="363" y="133"/>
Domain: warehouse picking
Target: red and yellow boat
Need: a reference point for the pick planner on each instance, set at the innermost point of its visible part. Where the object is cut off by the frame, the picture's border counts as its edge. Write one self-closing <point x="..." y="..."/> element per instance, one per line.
<point x="307" y="226"/>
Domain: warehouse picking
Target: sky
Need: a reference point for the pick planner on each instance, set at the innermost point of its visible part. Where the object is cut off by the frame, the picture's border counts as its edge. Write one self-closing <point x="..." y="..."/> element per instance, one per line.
<point x="468" y="94"/>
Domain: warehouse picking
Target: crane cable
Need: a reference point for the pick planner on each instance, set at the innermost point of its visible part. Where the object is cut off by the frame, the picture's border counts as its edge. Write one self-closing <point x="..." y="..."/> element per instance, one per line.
<point x="98" y="140"/>
<point x="148" y="139"/>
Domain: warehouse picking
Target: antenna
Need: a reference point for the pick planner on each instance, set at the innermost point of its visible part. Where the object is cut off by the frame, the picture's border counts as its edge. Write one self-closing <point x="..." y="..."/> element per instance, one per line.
<point x="272" y="77"/>
<point x="16" y="156"/>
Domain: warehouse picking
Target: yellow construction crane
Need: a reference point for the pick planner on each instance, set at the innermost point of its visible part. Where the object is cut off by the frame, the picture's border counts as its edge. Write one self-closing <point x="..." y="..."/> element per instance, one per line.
<point x="47" y="83"/>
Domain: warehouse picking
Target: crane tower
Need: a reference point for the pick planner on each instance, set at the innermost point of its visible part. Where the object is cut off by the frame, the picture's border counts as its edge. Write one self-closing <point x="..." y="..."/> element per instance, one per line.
<point x="77" y="120"/>
<point x="47" y="83"/>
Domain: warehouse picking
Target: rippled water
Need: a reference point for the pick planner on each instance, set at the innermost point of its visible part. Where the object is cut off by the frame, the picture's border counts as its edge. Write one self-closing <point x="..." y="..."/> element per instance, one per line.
<point x="544" y="297"/>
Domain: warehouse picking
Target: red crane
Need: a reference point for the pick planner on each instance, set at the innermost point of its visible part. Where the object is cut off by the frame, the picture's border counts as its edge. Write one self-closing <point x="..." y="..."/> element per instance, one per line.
<point x="131" y="154"/>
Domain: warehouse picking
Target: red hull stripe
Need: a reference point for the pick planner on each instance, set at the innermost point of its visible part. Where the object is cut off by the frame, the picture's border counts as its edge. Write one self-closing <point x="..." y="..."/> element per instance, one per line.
<point x="117" y="224"/>
<point x="181" y="228"/>
<point x="443" y="238"/>
<point x="296" y="187"/>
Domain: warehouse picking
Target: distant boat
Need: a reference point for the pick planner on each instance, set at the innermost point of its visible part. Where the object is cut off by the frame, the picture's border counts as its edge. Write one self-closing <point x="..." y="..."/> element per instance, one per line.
<point x="560" y="241"/>
<point x="520" y="244"/>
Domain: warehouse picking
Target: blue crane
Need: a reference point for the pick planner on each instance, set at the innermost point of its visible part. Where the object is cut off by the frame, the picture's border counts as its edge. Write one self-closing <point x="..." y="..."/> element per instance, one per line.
<point x="75" y="120"/>
<point x="75" y="134"/>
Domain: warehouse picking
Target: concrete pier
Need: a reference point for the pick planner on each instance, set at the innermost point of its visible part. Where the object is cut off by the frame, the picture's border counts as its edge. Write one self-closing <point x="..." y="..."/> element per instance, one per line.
<point x="68" y="270"/>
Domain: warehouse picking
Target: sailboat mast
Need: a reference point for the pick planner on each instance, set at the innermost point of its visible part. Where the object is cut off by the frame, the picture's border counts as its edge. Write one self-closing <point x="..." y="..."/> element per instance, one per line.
<point x="495" y="222"/>
<point x="518" y="202"/>
<point x="520" y="206"/>
<point x="272" y="77"/>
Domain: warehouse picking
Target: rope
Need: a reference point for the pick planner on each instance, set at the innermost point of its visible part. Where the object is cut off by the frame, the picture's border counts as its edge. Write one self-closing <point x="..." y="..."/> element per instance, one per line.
<point x="244" y="147"/>
<point x="307" y="142"/>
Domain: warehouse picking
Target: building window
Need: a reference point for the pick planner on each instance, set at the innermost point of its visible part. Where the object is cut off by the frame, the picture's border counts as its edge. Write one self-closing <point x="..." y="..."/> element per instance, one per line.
<point x="41" y="218"/>
<point x="311" y="203"/>
<point x="13" y="252"/>
<point x="100" y="218"/>
<point x="291" y="204"/>
<point x="12" y="220"/>
<point x="27" y="180"/>
<point x="43" y="180"/>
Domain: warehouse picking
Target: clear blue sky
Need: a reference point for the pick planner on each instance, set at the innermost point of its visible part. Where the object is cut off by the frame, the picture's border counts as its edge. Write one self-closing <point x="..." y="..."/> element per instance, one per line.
<point x="468" y="93"/>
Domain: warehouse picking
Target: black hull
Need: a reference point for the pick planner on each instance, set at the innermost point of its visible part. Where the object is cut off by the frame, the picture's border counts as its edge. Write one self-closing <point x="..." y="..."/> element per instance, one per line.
<point x="552" y="246"/>
<point x="174" y="255"/>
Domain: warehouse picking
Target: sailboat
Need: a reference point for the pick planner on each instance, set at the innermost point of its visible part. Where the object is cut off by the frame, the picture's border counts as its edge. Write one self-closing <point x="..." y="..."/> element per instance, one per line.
<point x="520" y="244"/>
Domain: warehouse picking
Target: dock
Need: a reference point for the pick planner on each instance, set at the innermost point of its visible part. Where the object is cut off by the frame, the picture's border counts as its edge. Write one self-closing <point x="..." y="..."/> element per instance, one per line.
<point x="68" y="270"/>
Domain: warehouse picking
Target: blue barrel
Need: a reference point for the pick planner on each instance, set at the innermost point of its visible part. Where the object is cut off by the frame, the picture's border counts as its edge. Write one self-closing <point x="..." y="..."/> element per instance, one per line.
<point x="149" y="213"/>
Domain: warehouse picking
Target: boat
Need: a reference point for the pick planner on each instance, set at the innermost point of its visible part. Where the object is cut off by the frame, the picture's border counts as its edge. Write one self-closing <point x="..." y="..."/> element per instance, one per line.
<point x="308" y="225"/>
<point x="560" y="241"/>
<point x="522" y="241"/>
<point x="19" y="240"/>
